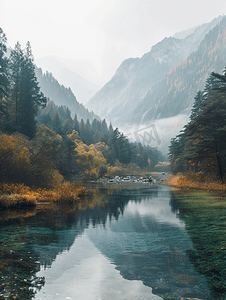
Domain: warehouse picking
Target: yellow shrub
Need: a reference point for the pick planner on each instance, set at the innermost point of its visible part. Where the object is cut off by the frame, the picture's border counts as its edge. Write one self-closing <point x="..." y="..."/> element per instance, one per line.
<point x="16" y="196"/>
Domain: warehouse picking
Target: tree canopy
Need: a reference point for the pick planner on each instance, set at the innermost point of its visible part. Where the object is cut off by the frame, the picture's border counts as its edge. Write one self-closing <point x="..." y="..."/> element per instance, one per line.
<point x="201" y="146"/>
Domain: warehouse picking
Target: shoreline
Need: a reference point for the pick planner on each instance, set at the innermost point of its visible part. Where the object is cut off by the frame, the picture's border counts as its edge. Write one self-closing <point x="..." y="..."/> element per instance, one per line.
<point x="182" y="182"/>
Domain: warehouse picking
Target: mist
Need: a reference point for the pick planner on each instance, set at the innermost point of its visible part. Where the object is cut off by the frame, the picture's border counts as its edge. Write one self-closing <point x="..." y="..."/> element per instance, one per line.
<point x="157" y="133"/>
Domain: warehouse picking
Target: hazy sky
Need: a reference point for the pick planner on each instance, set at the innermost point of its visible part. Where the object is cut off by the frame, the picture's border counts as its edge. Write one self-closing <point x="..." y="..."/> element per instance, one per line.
<point x="99" y="34"/>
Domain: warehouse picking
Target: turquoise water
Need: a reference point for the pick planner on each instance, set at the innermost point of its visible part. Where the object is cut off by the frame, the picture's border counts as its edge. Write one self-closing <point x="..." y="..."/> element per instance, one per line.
<point x="131" y="247"/>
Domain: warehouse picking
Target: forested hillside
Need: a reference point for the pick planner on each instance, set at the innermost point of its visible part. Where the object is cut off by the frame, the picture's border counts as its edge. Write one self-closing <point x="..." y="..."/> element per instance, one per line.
<point x="41" y="144"/>
<point x="153" y="86"/>
<point x="61" y="95"/>
<point x="176" y="92"/>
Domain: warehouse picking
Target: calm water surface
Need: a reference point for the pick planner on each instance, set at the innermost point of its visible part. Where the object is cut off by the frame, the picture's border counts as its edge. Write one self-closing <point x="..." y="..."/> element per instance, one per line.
<point x="129" y="244"/>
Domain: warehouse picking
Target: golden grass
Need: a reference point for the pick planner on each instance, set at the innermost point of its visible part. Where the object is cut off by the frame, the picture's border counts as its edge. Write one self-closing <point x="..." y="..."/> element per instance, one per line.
<point x="19" y="195"/>
<point x="195" y="181"/>
<point x="17" y="201"/>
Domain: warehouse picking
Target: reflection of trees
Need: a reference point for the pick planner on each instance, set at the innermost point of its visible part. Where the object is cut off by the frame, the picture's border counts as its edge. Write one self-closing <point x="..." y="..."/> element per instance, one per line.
<point x="17" y="263"/>
<point x="167" y="272"/>
<point x="175" y="208"/>
<point x="205" y="222"/>
<point x="38" y="238"/>
<point x="114" y="205"/>
<point x="158" y="258"/>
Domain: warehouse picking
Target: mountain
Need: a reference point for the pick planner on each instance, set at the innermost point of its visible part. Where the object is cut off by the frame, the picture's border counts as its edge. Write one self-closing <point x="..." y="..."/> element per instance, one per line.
<point x="175" y="93"/>
<point x="137" y="92"/>
<point x="61" y="95"/>
<point x="82" y="88"/>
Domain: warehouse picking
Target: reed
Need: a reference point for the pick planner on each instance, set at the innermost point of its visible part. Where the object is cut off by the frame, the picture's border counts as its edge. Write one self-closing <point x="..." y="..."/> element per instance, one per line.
<point x="195" y="181"/>
<point x="20" y="196"/>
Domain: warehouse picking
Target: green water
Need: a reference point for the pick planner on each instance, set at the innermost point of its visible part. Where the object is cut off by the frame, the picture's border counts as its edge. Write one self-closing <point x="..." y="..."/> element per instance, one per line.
<point x="128" y="243"/>
<point x="205" y="217"/>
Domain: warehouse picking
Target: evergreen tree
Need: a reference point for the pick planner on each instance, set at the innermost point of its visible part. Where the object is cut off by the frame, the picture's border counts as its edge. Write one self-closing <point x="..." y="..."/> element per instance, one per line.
<point x="67" y="126"/>
<point x="121" y="146"/>
<point x="31" y="96"/>
<point x="4" y="80"/>
<point x="16" y="62"/>
<point x="207" y="136"/>
<point x="202" y="144"/>
<point x="110" y="129"/>
<point x="104" y="130"/>
<point x="26" y="94"/>
<point x="96" y="128"/>
<point x="212" y="83"/>
<point x="82" y="129"/>
<point x="221" y="81"/>
<point x="197" y="104"/>
<point x="76" y="124"/>
<point x="56" y="123"/>
<point x="88" y="135"/>
<point x="4" y="83"/>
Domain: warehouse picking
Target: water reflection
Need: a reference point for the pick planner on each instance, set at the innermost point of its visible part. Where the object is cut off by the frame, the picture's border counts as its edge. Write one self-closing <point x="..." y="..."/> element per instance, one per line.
<point x="85" y="273"/>
<point x="126" y="244"/>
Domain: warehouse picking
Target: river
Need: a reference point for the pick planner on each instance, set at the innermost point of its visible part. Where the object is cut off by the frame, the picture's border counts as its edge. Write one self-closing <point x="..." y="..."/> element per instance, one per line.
<point x="127" y="243"/>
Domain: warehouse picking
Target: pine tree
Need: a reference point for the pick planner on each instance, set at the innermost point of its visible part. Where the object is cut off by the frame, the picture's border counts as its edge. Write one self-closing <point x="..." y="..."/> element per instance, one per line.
<point x="4" y="80"/>
<point x="75" y="124"/>
<point x="56" y="123"/>
<point x="16" y="61"/>
<point x="197" y="104"/>
<point x="82" y="129"/>
<point x="88" y="137"/>
<point x="104" y="130"/>
<point x="4" y="83"/>
<point x="96" y="125"/>
<point x="30" y="95"/>
<point x="121" y="146"/>
<point x="207" y="147"/>
<point x="26" y="96"/>
<point x="68" y="126"/>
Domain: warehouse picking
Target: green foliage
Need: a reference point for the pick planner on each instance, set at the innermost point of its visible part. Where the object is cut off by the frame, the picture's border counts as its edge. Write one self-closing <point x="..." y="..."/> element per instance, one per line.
<point x="31" y="163"/>
<point x="202" y="144"/>
<point x="4" y="82"/>
<point x="60" y="94"/>
<point x="44" y="158"/>
<point x="117" y="147"/>
<point x="25" y="95"/>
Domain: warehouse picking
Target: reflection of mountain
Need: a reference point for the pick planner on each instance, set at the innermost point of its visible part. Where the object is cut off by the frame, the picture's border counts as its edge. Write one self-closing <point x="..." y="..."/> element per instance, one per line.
<point x="85" y="273"/>
<point x="144" y="214"/>
<point x="150" y="245"/>
<point x="51" y="234"/>
<point x="135" y="230"/>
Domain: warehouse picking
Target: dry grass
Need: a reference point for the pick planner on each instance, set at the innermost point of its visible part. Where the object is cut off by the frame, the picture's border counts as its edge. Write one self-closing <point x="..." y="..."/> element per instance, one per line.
<point x="19" y="195"/>
<point x="195" y="181"/>
<point x="17" y="201"/>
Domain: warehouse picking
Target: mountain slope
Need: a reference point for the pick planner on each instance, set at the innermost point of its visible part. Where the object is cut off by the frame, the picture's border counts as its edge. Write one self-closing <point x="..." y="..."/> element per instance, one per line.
<point x="136" y="77"/>
<point x="176" y="92"/>
<point x="82" y="88"/>
<point x="61" y="95"/>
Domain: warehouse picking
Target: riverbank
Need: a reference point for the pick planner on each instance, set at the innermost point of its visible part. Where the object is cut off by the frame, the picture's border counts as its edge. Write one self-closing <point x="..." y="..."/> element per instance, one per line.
<point x="16" y="196"/>
<point x="194" y="183"/>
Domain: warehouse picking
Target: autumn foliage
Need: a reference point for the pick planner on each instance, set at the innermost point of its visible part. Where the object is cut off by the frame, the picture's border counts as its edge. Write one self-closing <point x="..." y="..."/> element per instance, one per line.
<point x="19" y="195"/>
<point x="90" y="159"/>
<point x="195" y="181"/>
